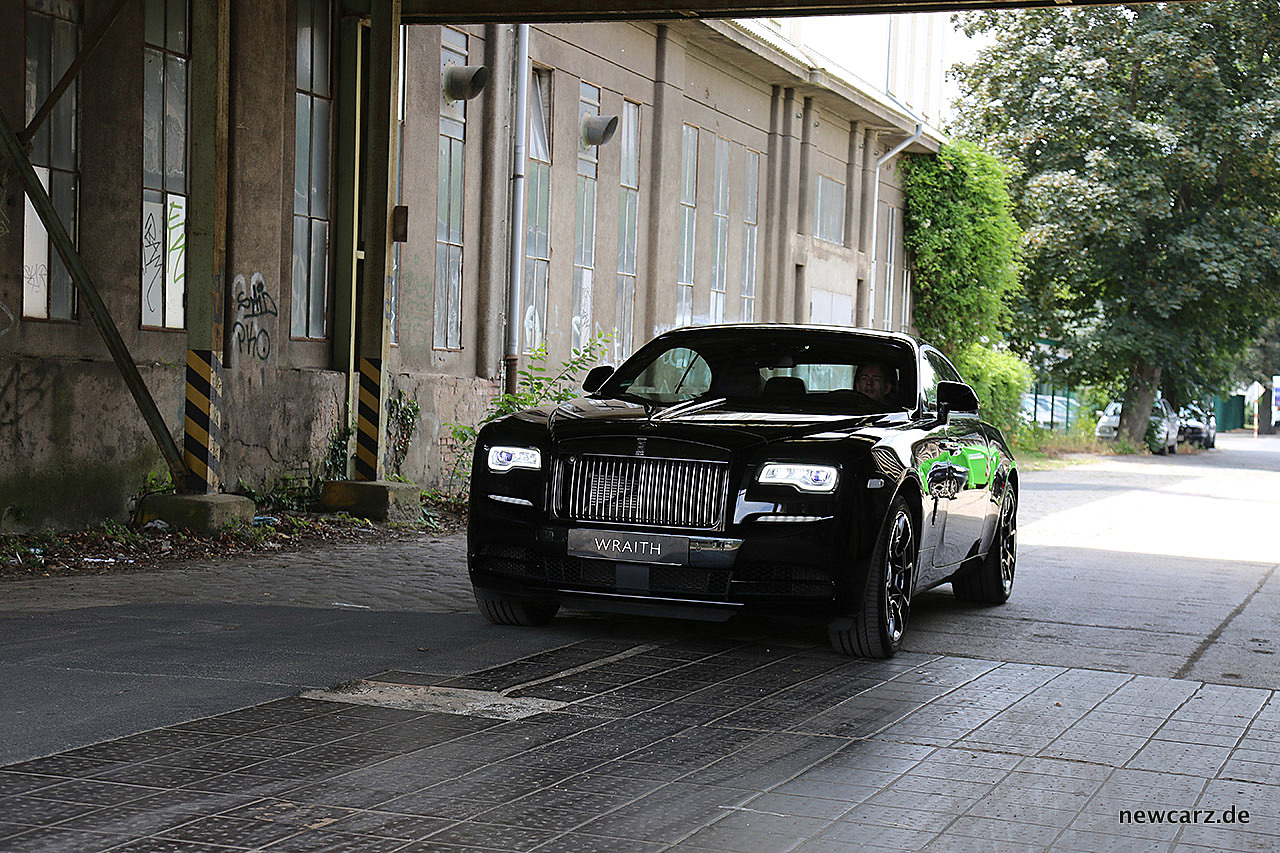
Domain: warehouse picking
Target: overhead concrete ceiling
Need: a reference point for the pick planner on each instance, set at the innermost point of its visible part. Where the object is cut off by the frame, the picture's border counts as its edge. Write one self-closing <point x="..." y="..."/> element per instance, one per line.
<point x="542" y="11"/>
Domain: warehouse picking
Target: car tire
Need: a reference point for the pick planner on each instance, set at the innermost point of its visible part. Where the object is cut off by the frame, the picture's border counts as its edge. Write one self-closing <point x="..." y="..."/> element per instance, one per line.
<point x="1173" y="448"/>
<point x="876" y="630"/>
<point x="991" y="580"/>
<point x="516" y="611"/>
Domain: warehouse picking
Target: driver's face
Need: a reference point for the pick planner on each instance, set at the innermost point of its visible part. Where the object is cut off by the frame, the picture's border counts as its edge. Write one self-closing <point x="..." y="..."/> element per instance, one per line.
<point x="873" y="382"/>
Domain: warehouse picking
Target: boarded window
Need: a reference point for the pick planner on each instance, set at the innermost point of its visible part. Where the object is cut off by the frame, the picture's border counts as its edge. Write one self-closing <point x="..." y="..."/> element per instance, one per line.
<point x="750" y="223"/>
<point x="628" y="229"/>
<point x="164" y="165"/>
<point x="313" y="102"/>
<point x="688" y="225"/>
<point x="450" y="201"/>
<point x="52" y="42"/>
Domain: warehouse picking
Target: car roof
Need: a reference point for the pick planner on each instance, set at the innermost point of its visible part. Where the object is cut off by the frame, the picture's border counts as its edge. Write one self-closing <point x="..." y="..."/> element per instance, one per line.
<point x="901" y="337"/>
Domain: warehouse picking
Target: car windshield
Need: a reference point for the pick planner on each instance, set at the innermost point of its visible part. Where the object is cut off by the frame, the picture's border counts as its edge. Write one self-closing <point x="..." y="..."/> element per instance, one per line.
<point x="771" y="370"/>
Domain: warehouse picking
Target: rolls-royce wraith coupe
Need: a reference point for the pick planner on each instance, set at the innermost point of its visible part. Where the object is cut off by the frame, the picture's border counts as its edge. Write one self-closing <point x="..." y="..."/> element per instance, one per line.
<point x="822" y="472"/>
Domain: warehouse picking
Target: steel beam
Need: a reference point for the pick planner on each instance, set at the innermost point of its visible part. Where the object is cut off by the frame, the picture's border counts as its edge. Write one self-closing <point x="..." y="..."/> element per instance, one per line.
<point x="13" y="149"/>
<point x="551" y="11"/>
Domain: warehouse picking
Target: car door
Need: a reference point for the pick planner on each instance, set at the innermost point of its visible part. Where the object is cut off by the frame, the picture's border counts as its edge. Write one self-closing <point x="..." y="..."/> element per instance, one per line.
<point x="966" y="460"/>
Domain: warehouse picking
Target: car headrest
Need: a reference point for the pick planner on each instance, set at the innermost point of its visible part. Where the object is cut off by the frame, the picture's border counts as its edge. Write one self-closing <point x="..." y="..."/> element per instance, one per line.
<point x="784" y="386"/>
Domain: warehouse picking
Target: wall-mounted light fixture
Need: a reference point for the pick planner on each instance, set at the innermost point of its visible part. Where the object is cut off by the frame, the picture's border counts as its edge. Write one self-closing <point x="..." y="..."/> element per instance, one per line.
<point x="597" y="130"/>
<point x="464" y="82"/>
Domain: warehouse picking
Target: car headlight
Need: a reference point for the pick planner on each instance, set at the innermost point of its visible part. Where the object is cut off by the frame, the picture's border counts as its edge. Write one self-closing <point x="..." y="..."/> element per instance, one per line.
<point x="806" y="478"/>
<point x="503" y="459"/>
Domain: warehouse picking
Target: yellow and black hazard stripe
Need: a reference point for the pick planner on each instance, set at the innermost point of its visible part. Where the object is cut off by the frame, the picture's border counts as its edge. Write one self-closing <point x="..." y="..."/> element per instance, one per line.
<point x="200" y="442"/>
<point x="368" y="416"/>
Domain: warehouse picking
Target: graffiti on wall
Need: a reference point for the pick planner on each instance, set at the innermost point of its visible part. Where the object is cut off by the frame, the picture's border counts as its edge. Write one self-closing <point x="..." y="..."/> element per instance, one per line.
<point x="152" y="266"/>
<point x="8" y="321"/>
<point x="253" y="304"/>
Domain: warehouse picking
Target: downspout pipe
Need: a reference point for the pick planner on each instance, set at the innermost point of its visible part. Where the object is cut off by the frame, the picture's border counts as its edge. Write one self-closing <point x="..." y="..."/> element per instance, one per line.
<point x="875" y="211"/>
<point x="511" y="350"/>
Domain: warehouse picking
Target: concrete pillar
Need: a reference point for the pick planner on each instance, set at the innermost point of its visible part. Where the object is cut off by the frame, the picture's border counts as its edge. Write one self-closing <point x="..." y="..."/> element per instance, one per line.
<point x="766" y="286"/>
<point x="663" y="185"/>
<point x="862" y="306"/>
<point x="783" y="208"/>
<point x="853" y="185"/>
<point x="207" y="241"/>
<point x="804" y="209"/>
<point x="373" y="334"/>
<point x="495" y="197"/>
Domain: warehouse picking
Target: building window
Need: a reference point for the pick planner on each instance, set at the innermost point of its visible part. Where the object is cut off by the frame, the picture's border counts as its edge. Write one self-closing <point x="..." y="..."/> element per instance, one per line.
<point x="750" y="219"/>
<point x="628" y="229"/>
<point x="829" y="213"/>
<point x="720" y="231"/>
<point x="584" y="247"/>
<point x="53" y="40"/>
<point x="890" y="266"/>
<point x="164" y="165"/>
<point x="537" y="244"/>
<point x="688" y="223"/>
<point x="313" y="103"/>
<point x="393" y="297"/>
<point x="450" y="200"/>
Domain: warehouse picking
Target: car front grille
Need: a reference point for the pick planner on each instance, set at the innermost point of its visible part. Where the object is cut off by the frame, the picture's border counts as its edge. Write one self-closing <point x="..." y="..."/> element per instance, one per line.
<point x="640" y="490"/>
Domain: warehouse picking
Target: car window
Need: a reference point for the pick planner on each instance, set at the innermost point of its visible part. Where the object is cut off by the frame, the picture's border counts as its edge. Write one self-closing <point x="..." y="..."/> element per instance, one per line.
<point x="1112" y="410"/>
<point x="677" y="374"/>
<point x="935" y="368"/>
<point x="768" y="370"/>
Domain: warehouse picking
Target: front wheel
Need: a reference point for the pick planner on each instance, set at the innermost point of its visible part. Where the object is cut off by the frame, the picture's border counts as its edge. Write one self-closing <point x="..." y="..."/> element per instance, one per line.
<point x="516" y="611"/>
<point x="876" y="630"/>
<point x="991" y="581"/>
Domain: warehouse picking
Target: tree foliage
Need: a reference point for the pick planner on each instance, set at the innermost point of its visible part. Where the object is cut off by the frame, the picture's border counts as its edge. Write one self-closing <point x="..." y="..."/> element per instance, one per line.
<point x="1147" y="181"/>
<point x="960" y="226"/>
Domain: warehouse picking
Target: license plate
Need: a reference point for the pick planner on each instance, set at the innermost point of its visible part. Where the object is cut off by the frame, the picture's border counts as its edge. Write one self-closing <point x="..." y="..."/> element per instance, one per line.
<point x="629" y="547"/>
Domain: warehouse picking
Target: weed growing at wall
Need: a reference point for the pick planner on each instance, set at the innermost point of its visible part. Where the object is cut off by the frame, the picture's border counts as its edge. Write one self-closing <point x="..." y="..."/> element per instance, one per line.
<point x="338" y="454"/>
<point x="403" y="414"/>
<point x="536" y="385"/>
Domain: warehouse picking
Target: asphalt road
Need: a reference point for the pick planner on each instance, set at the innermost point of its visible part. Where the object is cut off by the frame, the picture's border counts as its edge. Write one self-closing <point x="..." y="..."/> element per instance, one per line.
<point x="1149" y="566"/>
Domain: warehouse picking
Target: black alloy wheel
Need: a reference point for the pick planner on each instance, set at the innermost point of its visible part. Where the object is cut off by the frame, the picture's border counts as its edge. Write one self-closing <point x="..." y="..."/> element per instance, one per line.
<point x="991" y="580"/>
<point x="516" y="611"/>
<point x="876" y="629"/>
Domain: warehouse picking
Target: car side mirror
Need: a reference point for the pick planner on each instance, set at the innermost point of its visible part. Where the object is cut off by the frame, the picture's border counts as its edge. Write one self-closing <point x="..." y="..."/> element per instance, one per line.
<point x="957" y="397"/>
<point x="596" y="377"/>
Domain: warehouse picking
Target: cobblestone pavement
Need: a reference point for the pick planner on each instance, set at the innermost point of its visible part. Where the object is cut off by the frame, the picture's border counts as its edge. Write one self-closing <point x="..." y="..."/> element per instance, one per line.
<point x="710" y="744"/>
<point x="422" y="575"/>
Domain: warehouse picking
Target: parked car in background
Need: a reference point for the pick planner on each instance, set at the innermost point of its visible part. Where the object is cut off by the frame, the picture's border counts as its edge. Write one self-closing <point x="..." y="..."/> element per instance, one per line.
<point x="1199" y="425"/>
<point x="1163" y="418"/>
<point x="1049" y="411"/>
<point x="798" y="471"/>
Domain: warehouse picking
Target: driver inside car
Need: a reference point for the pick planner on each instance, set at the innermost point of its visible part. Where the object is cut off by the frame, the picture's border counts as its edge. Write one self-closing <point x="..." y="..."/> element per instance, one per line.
<point x="874" y="379"/>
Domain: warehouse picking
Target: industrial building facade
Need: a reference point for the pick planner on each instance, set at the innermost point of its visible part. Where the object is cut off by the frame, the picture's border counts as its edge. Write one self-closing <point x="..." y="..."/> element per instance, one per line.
<point x="740" y="182"/>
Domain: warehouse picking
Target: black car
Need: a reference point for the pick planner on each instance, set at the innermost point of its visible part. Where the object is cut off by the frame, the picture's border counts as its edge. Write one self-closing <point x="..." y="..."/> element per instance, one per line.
<point x="738" y="468"/>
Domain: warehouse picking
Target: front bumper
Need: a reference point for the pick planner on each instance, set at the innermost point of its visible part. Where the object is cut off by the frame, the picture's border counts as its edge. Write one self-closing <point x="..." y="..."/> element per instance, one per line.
<point x="783" y="568"/>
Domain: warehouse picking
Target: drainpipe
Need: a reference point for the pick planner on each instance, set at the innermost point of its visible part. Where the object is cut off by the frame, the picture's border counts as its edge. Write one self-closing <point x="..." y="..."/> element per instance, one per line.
<point x="875" y="212"/>
<point x="511" y="352"/>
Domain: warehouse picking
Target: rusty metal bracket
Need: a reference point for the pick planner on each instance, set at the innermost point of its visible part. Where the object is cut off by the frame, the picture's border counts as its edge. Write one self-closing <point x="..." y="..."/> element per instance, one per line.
<point x="11" y="147"/>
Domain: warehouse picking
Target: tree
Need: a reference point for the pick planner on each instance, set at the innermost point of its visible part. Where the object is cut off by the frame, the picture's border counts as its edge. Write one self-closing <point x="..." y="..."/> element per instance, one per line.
<point x="1145" y="140"/>
<point x="965" y="242"/>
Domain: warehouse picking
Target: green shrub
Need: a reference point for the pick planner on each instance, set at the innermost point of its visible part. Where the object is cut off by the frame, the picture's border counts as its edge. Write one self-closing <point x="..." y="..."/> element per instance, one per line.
<point x="999" y="377"/>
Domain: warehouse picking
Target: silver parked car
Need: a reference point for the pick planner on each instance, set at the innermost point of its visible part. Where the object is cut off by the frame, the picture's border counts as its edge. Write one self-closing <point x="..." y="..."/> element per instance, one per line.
<point x="1163" y="418"/>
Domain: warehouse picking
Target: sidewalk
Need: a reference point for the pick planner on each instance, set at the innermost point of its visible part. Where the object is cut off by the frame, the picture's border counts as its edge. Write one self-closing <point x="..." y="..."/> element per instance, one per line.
<point x="652" y="736"/>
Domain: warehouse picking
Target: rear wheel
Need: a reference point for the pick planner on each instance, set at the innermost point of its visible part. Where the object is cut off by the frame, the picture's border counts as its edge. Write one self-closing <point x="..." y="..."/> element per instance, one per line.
<point x="876" y="630"/>
<point x="991" y="581"/>
<point x="516" y="611"/>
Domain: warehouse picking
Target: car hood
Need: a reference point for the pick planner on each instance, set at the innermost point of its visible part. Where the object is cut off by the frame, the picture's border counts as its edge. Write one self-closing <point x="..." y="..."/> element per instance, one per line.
<point x="711" y="422"/>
